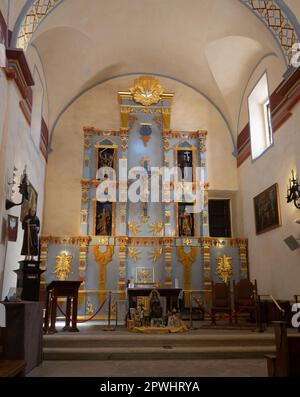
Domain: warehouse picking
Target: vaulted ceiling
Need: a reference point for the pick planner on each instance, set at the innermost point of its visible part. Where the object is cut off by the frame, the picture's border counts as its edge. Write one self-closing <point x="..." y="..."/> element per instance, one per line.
<point x="212" y="46"/>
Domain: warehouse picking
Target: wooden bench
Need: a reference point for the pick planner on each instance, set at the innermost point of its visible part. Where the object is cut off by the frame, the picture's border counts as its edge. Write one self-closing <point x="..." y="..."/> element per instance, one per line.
<point x="286" y="361"/>
<point x="12" y="368"/>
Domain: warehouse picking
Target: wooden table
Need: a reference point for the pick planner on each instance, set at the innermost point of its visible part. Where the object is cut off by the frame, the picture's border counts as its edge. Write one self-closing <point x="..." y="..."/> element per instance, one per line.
<point x="171" y="295"/>
<point x="58" y="289"/>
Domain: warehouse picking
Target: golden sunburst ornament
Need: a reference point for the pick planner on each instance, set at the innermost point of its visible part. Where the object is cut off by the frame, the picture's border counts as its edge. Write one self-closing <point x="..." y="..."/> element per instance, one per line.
<point x="146" y="90"/>
<point x="134" y="254"/>
<point x="155" y="254"/>
<point x="156" y="228"/>
<point x="134" y="227"/>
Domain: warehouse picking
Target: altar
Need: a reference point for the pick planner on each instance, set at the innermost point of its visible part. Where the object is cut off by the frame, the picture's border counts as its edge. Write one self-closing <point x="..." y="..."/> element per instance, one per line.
<point x="171" y="294"/>
<point x="159" y="239"/>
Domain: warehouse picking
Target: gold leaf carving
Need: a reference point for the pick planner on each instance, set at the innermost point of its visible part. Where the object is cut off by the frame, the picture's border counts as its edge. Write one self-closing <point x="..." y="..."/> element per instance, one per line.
<point x="134" y="254"/>
<point x="63" y="266"/>
<point x="146" y="90"/>
<point x="103" y="259"/>
<point x="224" y="268"/>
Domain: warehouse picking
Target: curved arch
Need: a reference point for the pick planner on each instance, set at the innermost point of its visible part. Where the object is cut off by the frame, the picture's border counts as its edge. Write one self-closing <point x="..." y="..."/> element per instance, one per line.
<point x="274" y="14"/>
<point x="74" y="99"/>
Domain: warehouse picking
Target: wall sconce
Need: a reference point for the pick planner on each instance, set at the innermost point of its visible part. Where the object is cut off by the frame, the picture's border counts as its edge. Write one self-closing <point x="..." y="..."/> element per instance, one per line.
<point x="293" y="191"/>
<point x="23" y="190"/>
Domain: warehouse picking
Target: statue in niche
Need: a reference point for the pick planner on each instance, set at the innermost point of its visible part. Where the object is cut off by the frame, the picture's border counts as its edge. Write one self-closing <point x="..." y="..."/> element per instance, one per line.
<point x="103" y="220"/>
<point x="186" y="223"/>
<point x="106" y="158"/>
<point x="31" y="227"/>
<point x="185" y="160"/>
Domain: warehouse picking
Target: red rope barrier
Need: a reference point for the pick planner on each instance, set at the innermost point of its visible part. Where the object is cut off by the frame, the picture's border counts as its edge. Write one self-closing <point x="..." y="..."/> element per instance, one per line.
<point x="89" y="319"/>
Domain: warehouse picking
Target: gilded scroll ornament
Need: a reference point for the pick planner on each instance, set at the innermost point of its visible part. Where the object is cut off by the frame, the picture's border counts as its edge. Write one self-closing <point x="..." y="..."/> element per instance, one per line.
<point x="89" y="307"/>
<point x="146" y="90"/>
<point x="224" y="268"/>
<point x="103" y="259"/>
<point x="63" y="266"/>
<point x="187" y="259"/>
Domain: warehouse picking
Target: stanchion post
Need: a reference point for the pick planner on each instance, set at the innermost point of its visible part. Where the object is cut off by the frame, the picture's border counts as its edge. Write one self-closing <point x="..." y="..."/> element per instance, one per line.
<point x="191" y="309"/>
<point x="116" y="313"/>
<point x="109" y="328"/>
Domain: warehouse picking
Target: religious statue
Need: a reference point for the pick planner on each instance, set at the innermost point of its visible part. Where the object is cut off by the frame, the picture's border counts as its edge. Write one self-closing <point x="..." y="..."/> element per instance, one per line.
<point x="174" y="319"/>
<point x="106" y="158"/>
<point x="185" y="224"/>
<point x="185" y="161"/>
<point x="103" y="227"/>
<point x="156" y="311"/>
<point x="31" y="227"/>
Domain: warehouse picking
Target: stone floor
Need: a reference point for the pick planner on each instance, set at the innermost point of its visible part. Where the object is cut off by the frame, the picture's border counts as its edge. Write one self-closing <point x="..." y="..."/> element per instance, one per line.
<point x="160" y="368"/>
<point x="254" y="367"/>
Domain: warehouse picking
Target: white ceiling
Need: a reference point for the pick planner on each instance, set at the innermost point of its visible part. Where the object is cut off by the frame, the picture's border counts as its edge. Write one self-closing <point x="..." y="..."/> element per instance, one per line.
<point x="211" y="45"/>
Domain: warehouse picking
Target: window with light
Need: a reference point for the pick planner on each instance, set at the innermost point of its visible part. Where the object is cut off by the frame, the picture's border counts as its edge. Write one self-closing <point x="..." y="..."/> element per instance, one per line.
<point x="261" y="134"/>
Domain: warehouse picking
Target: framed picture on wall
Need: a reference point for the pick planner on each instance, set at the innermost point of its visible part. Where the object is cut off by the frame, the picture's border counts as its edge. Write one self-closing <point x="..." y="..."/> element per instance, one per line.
<point x="12" y="228"/>
<point x="30" y="203"/>
<point x="267" y="210"/>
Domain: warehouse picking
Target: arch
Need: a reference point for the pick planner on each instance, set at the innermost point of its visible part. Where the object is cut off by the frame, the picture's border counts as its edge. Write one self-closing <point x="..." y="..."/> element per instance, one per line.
<point x="74" y="99"/>
<point x="274" y="14"/>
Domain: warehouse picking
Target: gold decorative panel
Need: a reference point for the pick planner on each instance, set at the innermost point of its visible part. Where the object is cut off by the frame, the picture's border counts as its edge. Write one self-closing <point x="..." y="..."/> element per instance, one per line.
<point x="224" y="268"/>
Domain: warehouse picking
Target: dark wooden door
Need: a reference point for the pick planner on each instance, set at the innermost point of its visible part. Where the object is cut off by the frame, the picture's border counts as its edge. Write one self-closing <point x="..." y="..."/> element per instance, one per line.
<point x="219" y="218"/>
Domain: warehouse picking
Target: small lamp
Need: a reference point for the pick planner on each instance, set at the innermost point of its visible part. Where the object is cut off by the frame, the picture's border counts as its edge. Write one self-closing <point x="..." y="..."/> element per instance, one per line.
<point x="293" y="191"/>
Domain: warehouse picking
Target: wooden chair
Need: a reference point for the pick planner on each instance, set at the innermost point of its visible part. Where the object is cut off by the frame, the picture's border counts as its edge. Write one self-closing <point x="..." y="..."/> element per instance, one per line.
<point x="245" y="295"/>
<point x="221" y="301"/>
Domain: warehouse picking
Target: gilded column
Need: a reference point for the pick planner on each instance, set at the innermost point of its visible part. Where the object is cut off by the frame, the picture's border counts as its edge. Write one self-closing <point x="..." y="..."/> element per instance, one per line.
<point x="83" y="251"/>
<point x="206" y="245"/>
<point x="44" y="257"/>
<point x="125" y="110"/>
<point x="85" y="187"/>
<point x="122" y="241"/>
<point x="166" y="115"/>
<point x="123" y="185"/>
<point x="168" y="244"/>
<point x="243" y="251"/>
<point x="204" y="185"/>
<point x="166" y="188"/>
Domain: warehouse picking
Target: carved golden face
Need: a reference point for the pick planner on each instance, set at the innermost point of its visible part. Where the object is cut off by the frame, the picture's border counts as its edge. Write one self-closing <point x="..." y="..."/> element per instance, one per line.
<point x="147" y="90"/>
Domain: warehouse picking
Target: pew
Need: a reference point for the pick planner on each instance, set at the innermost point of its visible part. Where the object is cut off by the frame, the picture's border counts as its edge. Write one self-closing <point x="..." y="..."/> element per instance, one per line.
<point x="285" y="363"/>
<point x="12" y="368"/>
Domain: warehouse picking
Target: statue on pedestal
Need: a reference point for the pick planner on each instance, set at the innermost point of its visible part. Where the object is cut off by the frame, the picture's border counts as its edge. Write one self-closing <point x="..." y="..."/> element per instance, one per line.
<point x="31" y="227"/>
